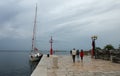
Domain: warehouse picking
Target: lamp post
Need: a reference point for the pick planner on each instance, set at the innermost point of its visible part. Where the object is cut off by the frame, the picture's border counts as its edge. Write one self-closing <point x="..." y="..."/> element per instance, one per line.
<point x="51" y="50"/>
<point x="119" y="46"/>
<point x="93" y="46"/>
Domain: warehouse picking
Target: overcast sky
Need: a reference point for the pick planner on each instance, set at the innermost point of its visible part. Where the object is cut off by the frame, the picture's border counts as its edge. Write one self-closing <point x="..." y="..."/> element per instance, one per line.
<point x="70" y="22"/>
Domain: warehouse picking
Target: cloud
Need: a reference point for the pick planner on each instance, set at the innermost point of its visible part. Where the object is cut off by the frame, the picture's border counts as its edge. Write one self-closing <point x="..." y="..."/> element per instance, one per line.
<point x="70" y="22"/>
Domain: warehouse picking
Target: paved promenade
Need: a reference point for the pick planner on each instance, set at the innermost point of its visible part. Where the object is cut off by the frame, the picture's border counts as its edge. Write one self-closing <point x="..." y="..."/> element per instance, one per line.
<point x="87" y="67"/>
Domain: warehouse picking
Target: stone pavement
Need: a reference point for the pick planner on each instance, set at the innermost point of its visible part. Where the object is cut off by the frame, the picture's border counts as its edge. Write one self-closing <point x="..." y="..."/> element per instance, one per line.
<point x="87" y="67"/>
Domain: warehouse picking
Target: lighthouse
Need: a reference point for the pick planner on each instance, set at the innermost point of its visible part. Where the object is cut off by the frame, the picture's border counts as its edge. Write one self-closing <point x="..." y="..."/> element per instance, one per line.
<point x="51" y="50"/>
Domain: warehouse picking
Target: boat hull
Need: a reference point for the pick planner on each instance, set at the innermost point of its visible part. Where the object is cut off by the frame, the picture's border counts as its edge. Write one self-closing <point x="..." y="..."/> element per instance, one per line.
<point x="35" y="58"/>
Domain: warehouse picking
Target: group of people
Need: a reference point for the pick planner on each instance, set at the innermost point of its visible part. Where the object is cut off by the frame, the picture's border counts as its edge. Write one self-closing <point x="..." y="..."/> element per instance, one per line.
<point x="75" y="53"/>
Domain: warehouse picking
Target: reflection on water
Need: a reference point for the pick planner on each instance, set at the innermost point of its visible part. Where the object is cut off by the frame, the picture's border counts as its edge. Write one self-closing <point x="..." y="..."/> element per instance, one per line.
<point x="32" y="66"/>
<point x="16" y="63"/>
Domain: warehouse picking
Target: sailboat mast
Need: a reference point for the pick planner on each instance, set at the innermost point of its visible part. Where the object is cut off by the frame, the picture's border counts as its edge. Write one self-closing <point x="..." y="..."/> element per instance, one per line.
<point x="34" y="29"/>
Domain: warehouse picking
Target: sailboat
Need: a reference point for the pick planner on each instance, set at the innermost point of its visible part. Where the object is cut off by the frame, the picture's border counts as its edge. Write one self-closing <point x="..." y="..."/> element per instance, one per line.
<point x="35" y="55"/>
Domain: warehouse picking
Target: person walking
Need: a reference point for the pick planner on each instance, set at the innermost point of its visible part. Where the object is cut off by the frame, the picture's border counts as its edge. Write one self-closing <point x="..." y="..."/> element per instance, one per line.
<point x="70" y="52"/>
<point x="81" y="54"/>
<point x="73" y="54"/>
<point x="77" y="53"/>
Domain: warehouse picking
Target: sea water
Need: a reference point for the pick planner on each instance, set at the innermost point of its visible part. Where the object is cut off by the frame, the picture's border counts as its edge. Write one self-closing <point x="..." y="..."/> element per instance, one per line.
<point x="16" y="63"/>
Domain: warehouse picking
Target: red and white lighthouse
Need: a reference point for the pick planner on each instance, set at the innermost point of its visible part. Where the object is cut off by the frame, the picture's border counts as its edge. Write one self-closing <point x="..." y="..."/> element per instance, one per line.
<point x="51" y="50"/>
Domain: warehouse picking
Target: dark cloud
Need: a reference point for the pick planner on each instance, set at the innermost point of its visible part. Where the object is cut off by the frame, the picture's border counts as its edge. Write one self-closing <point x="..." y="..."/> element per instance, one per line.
<point x="8" y="10"/>
<point x="71" y="23"/>
<point x="15" y="44"/>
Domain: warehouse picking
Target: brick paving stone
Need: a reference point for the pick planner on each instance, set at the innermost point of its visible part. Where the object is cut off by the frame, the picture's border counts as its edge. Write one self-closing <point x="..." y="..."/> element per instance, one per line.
<point x="87" y="67"/>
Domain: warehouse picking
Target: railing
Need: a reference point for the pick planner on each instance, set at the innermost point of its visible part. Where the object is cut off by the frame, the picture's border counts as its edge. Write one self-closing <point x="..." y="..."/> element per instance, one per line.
<point x="113" y="55"/>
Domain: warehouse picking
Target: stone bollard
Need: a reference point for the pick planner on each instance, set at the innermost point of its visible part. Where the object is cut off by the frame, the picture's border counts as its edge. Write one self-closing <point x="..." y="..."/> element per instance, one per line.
<point x="48" y="55"/>
<point x="55" y="61"/>
<point x="111" y="58"/>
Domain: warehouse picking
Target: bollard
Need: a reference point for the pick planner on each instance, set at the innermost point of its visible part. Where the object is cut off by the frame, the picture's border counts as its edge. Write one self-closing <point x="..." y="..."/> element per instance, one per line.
<point x="55" y="61"/>
<point x="47" y="55"/>
<point x="111" y="58"/>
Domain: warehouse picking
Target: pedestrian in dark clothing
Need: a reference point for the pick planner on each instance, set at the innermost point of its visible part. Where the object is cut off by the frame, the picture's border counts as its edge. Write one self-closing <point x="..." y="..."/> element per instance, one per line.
<point x="73" y="54"/>
<point x="81" y="54"/>
<point x="70" y="52"/>
<point x="77" y="53"/>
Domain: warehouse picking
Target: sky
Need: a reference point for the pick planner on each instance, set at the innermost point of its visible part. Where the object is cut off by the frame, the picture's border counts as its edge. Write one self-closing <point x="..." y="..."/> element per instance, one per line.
<point x="71" y="23"/>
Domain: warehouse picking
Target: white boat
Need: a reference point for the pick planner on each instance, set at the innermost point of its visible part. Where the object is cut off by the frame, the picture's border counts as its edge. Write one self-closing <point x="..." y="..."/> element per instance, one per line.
<point x="35" y="55"/>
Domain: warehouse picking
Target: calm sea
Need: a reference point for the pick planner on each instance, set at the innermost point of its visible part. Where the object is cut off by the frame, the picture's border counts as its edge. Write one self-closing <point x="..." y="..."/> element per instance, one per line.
<point x="16" y="63"/>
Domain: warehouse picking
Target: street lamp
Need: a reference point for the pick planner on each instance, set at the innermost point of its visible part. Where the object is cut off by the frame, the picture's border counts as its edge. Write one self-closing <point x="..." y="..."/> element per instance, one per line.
<point x="119" y="46"/>
<point x="93" y="46"/>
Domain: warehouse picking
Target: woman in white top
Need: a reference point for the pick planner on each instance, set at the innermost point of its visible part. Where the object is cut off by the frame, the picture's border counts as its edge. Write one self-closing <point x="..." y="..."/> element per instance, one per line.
<point x="73" y="54"/>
